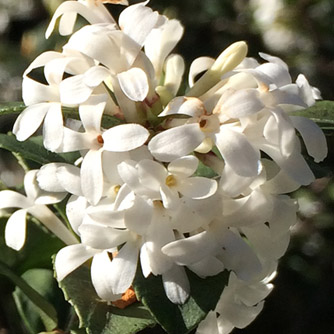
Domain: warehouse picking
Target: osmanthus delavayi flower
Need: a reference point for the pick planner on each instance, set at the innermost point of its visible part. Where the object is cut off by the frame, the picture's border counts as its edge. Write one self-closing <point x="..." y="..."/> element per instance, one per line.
<point x="33" y="203"/>
<point x="197" y="181"/>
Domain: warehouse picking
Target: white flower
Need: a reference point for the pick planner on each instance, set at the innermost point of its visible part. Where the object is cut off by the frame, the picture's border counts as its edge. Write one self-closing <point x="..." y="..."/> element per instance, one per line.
<point x="159" y="183"/>
<point x="95" y="140"/>
<point x="205" y="129"/>
<point x="34" y="204"/>
<point x="238" y="306"/>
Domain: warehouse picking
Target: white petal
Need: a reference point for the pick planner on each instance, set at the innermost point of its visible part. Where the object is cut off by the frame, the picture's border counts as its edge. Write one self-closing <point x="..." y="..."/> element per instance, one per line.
<point x="76" y="141"/>
<point x="186" y="251"/>
<point x="242" y="103"/>
<point x="96" y="75"/>
<point x="198" y="66"/>
<point x="176" y="285"/>
<point x="47" y="178"/>
<point x="12" y="199"/>
<point x="124" y="137"/>
<point x="92" y="176"/>
<point x="123" y="267"/>
<point x="197" y="187"/>
<point x="70" y="258"/>
<point x="176" y="142"/>
<point x="169" y="197"/>
<point x="134" y="84"/>
<point x="15" y="231"/>
<point x="151" y="174"/>
<point x="238" y="256"/>
<point x="99" y="14"/>
<point x="161" y="41"/>
<point x="29" y="120"/>
<point x="158" y="235"/>
<point x="183" y="167"/>
<point x="137" y="21"/>
<point x="53" y="128"/>
<point x="253" y="209"/>
<point x="183" y="105"/>
<point x="129" y="174"/>
<point x="294" y="165"/>
<point x="69" y="178"/>
<point x="233" y="184"/>
<point x="34" y="92"/>
<point x="138" y="217"/>
<point x="101" y="273"/>
<point x="173" y="74"/>
<point x="209" y="325"/>
<point x="102" y="237"/>
<point x="314" y="138"/>
<point x="238" y="152"/>
<point x="91" y="112"/>
<point x="74" y="91"/>
<point x="75" y="211"/>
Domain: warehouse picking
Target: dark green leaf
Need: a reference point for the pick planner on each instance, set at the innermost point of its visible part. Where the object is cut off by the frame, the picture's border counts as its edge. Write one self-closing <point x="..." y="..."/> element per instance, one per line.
<point x="45" y="309"/>
<point x="32" y="149"/>
<point x="97" y="316"/>
<point x="43" y="282"/>
<point x="180" y="319"/>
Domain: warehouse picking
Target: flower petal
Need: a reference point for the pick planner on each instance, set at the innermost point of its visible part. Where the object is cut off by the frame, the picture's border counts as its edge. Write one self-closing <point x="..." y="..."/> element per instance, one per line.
<point x="123" y="267"/>
<point x="124" y="137"/>
<point x="101" y="273"/>
<point x="92" y="176"/>
<point x="74" y="91"/>
<point x="102" y="237"/>
<point x="197" y="187"/>
<point x="29" y="120"/>
<point x="134" y="84"/>
<point x="183" y="167"/>
<point x="238" y="152"/>
<point x="176" y="285"/>
<point x="176" y="142"/>
<point x="314" y="138"/>
<point x="12" y="199"/>
<point x="70" y="258"/>
<point x="15" y="231"/>
<point x="53" y="128"/>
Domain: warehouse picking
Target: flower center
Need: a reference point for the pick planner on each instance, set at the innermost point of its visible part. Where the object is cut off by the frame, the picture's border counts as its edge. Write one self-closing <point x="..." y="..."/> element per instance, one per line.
<point x="170" y="181"/>
<point x="116" y="189"/>
<point x="99" y="139"/>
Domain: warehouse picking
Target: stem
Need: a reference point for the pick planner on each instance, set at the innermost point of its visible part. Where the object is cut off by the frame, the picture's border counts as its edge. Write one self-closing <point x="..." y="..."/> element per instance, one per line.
<point x="53" y="223"/>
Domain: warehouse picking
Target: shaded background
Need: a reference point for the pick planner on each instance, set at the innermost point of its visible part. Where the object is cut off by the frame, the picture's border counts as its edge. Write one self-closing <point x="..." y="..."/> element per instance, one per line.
<point x="299" y="31"/>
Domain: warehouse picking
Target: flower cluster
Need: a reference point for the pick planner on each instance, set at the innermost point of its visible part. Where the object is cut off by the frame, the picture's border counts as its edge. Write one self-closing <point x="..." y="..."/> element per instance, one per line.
<point x="163" y="181"/>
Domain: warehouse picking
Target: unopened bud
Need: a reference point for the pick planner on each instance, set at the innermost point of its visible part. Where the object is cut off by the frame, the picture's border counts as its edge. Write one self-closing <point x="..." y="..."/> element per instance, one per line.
<point x="227" y="61"/>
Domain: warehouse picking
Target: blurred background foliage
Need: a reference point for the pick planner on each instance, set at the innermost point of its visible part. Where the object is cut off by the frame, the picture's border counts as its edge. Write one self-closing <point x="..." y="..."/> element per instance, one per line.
<point x="299" y="31"/>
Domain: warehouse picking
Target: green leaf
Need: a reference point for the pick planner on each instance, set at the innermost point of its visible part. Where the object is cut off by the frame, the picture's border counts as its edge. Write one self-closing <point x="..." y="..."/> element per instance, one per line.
<point x="34" y="317"/>
<point x="45" y="309"/>
<point x="97" y="316"/>
<point x="32" y="149"/>
<point x="180" y="319"/>
<point x="322" y="112"/>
